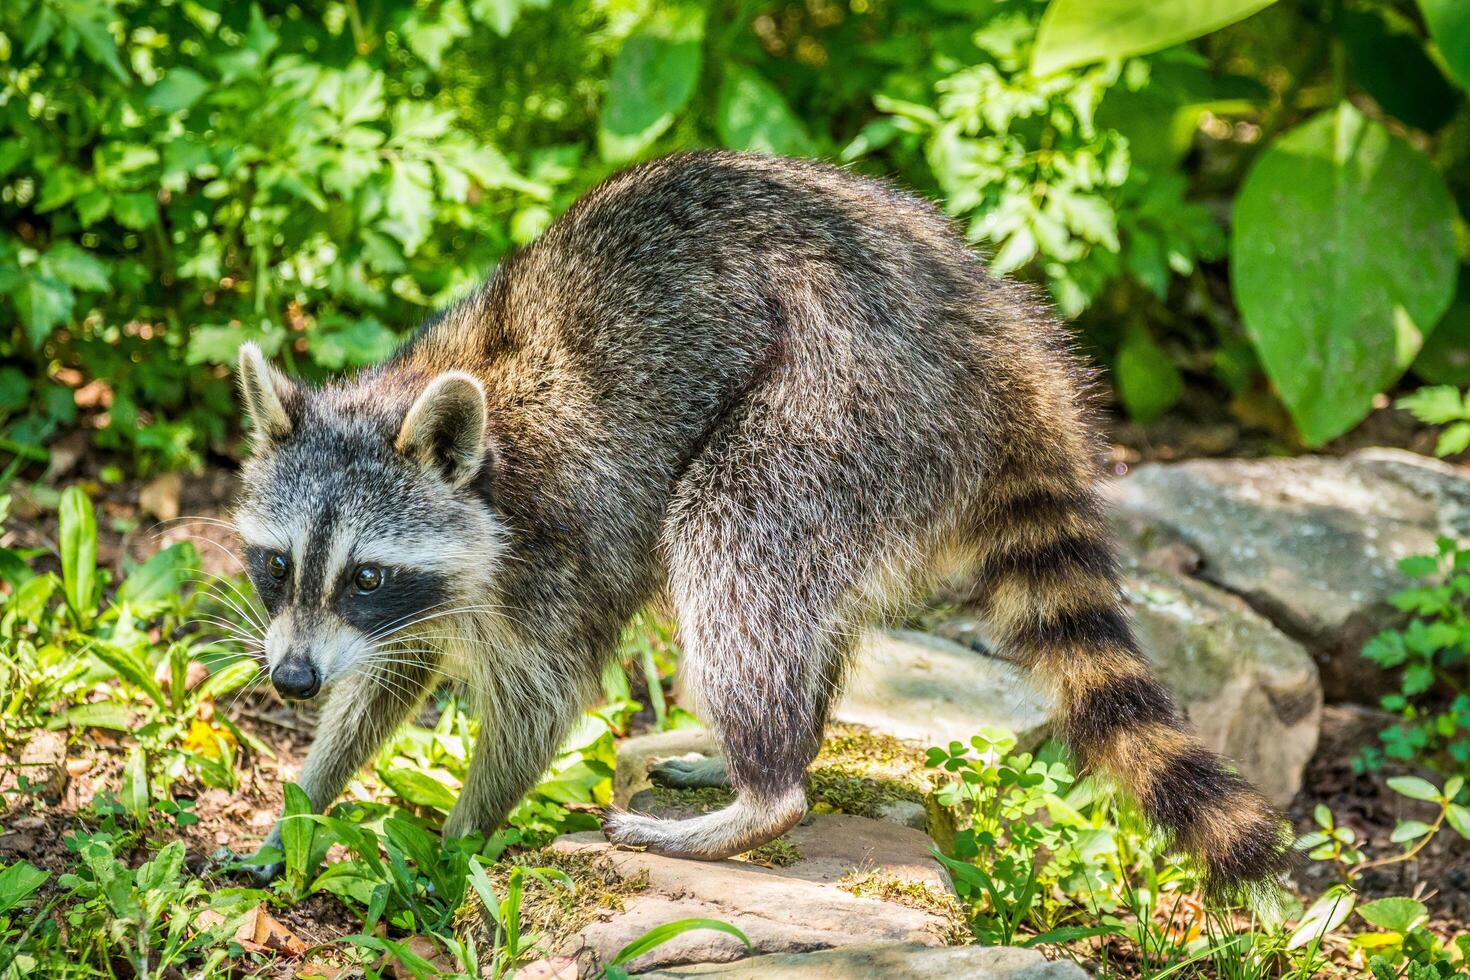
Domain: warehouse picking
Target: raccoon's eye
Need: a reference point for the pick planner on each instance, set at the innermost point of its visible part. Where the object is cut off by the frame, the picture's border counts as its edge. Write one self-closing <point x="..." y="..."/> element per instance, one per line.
<point x="276" y="565"/>
<point x="367" y="578"/>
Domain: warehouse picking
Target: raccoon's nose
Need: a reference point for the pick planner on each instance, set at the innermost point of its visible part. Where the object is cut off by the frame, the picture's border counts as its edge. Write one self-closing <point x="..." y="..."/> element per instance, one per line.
<point x="296" y="678"/>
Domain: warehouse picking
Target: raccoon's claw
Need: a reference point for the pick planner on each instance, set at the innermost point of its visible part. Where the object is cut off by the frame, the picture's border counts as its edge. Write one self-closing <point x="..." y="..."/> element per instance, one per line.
<point x="260" y="873"/>
<point x="704" y="772"/>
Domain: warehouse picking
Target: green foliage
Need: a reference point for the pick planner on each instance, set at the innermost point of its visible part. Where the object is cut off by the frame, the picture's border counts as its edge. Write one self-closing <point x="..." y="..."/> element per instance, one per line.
<point x="223" y="175"/>
<point x="1076" y="32"/>
<point x="176" y="179"/>
<point x="1449" y="26"/>
<point x="1042" y="859"/>
<point x="1442" y="405"/>
<point x="1342" y="259"/>
<point x="1431" y="658"/>
<point x="60" y="644"/>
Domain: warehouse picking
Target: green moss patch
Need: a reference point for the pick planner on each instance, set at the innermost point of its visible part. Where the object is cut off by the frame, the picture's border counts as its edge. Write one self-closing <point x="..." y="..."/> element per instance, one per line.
<point x="915" y="895"/>
<point x="859" y="771"/>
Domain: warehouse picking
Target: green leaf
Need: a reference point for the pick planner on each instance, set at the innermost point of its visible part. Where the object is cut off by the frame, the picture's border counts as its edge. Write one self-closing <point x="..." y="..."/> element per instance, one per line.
<point x="75" y="267"/>
<point x="1394" y="914"/>
<point x="1458" y="817"/>
<point x="1148" y="383"/>
<point x="1445" y="357"/>
<point x="752" y="115"/>
<point x="102" y="714"/>
<point x="1407" y="830"/>
<point x="17" y="882"/>
<point x="134" y="792"/>
<point x="1342" y="254"/>
<point x="78" y="554"/>
<point x="44" y="304"/>
<point x="417" y="787"/>
<point x="652" y="78"/>
<point x="364" y="342"/>
<point x="1389" y="63"/>
<point x="178" y="90"/>
<point x="659" y="935"/>
<point x="15" y="389"/>
<point x="159" y="577"/>
<point x="90" y="23"/>
<point x="296" y="833"/>
<point x="1453" y="440"/>
<point x="1414" y="788"/>
<point x="1075" y="32"/>
<point x="228" y="678"/>
<point x="135" y="211"/>
<point x="1436" y="405"/>
<point x="1449" y="26"/>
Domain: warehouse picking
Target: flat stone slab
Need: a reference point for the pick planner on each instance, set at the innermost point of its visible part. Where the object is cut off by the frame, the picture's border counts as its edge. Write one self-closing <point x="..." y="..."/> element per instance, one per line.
<point x="932" y="690"/>
<point x="890" y="960"/>
<point x="798" y="908"/>
<point x="1311" y="543"/>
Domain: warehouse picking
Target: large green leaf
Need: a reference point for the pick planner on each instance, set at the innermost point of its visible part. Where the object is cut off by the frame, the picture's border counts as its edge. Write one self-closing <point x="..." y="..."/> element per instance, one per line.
<point x="652" y="78"/>
<point x="752" y="115"/>
<point x="1342" y="256"/>
<point x="1449" y="25"/>
<point x="1075" y="32"/>
<point x="78" y="553"/>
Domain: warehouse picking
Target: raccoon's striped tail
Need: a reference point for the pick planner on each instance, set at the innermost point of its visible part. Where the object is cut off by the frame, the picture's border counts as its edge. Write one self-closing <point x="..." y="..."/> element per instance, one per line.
<point x="1050" y="594"/>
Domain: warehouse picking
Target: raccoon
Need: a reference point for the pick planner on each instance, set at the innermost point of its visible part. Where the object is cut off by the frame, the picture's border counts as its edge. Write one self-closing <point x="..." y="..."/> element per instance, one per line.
<point x="779" y="397"/>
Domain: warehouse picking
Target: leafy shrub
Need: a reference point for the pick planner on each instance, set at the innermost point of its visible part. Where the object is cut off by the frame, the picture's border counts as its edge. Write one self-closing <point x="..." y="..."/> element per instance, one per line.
<point x="177" y="178"/>
<point x="1431" y="657"/>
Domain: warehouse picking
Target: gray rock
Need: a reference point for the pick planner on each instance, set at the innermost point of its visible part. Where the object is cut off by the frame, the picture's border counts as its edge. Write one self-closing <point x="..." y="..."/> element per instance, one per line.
<point x="1311" y="543"/>
<point x="891" y="960"/>
<point x="797" y="908"/>
<point x="905" y="813"/>
<point x="932" y="690"/>
<point x="635" y="755"/>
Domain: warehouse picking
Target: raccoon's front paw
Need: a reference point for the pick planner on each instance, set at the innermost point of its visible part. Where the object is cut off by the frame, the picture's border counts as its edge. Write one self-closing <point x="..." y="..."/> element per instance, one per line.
<point x="704" y="772"/>
<point x="259" y="873"/>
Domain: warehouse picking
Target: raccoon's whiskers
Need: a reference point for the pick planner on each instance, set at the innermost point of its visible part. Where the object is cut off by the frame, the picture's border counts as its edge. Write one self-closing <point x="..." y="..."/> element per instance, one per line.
<point x="400" y="627"/>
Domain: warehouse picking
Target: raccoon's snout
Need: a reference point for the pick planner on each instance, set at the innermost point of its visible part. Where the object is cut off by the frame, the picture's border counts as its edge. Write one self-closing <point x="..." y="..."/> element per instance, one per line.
<point x="295" y="678"/>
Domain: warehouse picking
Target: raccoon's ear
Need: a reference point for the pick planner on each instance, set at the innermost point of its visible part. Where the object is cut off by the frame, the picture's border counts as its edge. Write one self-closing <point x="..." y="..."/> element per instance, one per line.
<point x="265" y="392"/>
<point x="445" y="428"/>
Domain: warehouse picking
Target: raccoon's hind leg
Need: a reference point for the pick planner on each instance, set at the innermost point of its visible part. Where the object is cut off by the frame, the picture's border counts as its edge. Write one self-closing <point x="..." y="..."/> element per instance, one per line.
<point x="756" y="573"/>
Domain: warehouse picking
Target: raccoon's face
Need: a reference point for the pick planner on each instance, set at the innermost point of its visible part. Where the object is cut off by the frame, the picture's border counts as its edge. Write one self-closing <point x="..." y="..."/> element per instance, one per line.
<point x="361" y="518"/>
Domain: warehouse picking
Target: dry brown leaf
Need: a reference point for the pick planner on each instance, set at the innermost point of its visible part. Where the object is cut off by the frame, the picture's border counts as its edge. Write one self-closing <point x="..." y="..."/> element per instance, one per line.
<point x="161" y="496"/>
<point x="261" y="932"/>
